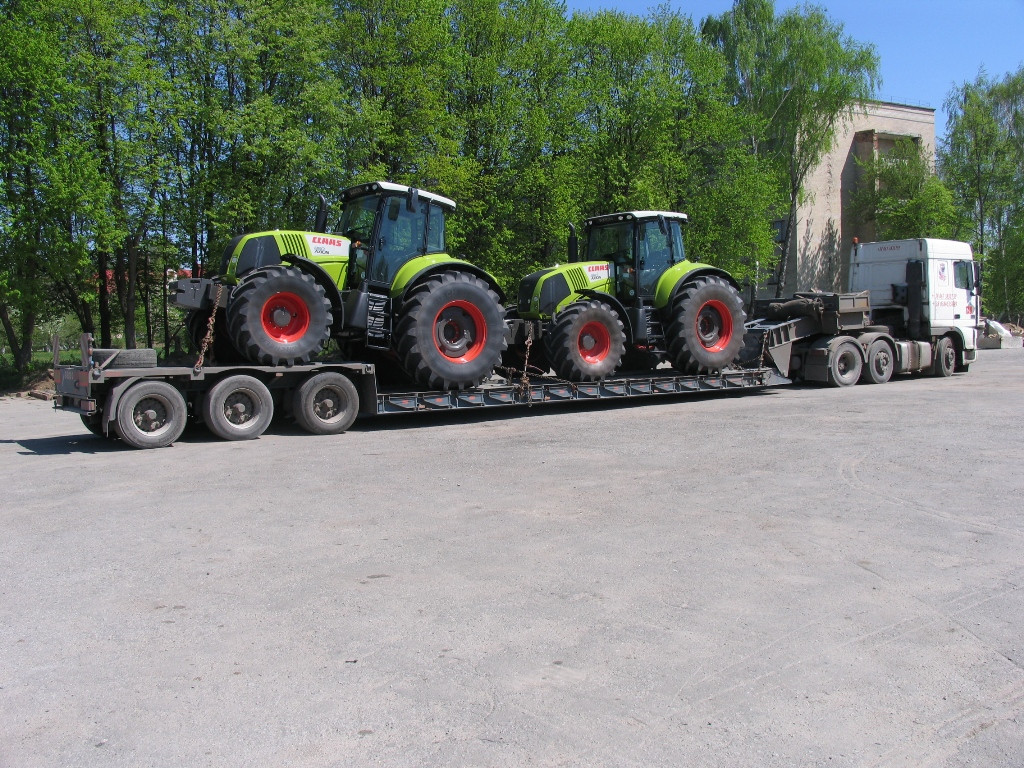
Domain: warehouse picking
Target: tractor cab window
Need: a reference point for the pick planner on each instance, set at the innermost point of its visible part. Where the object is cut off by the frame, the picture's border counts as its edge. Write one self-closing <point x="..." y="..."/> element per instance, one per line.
<point x="404" y="235"/>
<point x="357" y="220"/>
<point x="656" y="254"/>
<point x="613" y="242"/>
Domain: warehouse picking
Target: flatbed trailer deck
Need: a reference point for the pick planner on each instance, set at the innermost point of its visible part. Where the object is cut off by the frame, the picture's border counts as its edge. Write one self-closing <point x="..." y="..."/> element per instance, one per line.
<point x="148" y="406"/>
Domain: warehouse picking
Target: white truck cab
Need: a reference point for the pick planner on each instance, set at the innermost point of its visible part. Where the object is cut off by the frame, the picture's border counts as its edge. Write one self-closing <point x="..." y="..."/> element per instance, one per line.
<point x="925" y="288"/>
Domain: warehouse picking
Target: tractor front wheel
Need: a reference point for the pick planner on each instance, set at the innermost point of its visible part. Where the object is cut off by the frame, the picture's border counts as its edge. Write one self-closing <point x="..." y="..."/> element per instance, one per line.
<point x="705" y="330"/>
<point x="279" y="316"/>
<point x="451" y="332"/>
<point x="587" y="342"/>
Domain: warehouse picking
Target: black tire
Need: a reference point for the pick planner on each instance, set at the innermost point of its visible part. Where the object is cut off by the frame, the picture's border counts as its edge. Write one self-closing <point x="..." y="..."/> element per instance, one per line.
<point x="880" y="363"/>
<point x="451" y="332"/>
<point x="93" y="424"/>
<point x="222" y="350"/>
<point x="844" y="364"/>
<point x="587" y="342"/>
<point x="326" y="404"/>
<point x="705" y="329"/>
<point x="125" y="358"/>
<point x="944" y="359"/>
<point x="279" y="316"/>
<point x="150" y="414"/>
<point x="238" y="408"/>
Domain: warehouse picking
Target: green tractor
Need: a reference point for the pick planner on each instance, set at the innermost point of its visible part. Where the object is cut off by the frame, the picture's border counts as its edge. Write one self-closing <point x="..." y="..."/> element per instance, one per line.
<point x="383" y="285"/>
<point x="631" y="302"/>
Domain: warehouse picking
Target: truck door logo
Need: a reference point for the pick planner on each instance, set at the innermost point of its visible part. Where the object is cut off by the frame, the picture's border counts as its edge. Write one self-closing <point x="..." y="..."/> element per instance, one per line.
<point x="943" y="276"/>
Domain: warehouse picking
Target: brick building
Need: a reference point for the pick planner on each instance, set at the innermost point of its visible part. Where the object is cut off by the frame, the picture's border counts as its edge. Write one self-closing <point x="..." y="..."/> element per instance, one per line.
<point x="819" y="254"/>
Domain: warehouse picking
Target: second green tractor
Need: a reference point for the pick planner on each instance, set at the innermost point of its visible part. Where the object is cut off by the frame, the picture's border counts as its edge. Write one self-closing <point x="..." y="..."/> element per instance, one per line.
<point x="630" y="301"/>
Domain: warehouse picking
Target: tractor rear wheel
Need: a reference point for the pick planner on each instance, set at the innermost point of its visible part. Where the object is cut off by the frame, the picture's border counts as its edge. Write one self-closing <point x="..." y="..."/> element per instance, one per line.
<point x="279" y="316"/>
<point x="587" y="342"/>
<point x="705" y="330"/>
<point x="221" y="350"/>
<point x="451" y="332"/>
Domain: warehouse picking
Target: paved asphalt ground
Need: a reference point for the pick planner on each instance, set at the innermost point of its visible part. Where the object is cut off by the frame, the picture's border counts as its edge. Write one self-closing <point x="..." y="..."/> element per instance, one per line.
<point x="800" y="577"/>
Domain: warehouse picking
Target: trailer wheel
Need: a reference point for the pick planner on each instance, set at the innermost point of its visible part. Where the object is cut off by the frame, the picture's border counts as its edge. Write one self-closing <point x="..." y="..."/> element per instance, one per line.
<point x="151" y="414"/>
<point x="451" y="332"/>
<point x="587" y="342"/>
<point x="705" y="332"/>
<point x="844" y="364"/>
<point x="945" y="358"/>
<point x="238" y="408"/>
<point x="93" y="423"/>
<point x="326" y="404"/>
<point x="879" y="366"/>
<point x="279" y="316"/>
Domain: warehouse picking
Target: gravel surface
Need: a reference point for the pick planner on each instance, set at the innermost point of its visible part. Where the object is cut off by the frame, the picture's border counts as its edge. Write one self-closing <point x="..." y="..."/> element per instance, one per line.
<point x="798" y="577"/>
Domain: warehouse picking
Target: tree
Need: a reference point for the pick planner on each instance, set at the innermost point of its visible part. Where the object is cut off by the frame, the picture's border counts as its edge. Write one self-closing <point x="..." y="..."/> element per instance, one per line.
<point x="802" y="76"/>
<point x="982" y="160"/>
<point x="901" y="195"/>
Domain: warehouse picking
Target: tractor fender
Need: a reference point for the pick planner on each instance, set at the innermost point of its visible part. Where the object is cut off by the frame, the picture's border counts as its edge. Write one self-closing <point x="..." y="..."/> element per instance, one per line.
<point x="402" y="286"/>
<point x="615" y="304"/>
<point x="681" y="274"/>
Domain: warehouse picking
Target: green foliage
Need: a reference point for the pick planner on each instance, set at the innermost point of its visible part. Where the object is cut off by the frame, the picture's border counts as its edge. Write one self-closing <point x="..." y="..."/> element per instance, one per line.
<point x="982" y="161"/>
<point x="138" y="136"/>
<point x="902" y="197"/>
<point x="801" y="75"/>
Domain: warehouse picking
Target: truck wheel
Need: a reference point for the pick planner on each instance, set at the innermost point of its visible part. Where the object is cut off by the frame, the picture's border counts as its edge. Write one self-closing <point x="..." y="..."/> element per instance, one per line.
<point x="125" y="358"/>
<point x="451" y="332"/>
<point x="151" y="414"/>
<point x="93" y="423"/>
<point x="279" y="316"/>
<point x="326" y="404"/>
<point x="844" y="364"/>
<point x="879" y="365"/>
<point x="587" y="342"/>
<point x="238" y="408"/>
<point x="945" y="358"/>
<point x="222" y="350"/>
<point x="705" y="332"/>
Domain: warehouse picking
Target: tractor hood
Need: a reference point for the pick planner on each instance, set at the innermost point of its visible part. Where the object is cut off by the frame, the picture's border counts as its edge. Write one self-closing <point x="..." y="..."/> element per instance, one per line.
<point x="262" y="249"/>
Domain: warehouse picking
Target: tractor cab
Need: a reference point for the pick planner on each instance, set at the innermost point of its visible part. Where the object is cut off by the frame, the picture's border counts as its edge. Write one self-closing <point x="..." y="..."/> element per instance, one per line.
<point x="639" y="245"/>
<point x="389" y="225"/>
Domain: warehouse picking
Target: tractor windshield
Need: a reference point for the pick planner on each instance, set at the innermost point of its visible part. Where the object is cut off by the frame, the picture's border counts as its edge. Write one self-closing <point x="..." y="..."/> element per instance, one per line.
<point x="406" y="234"/>
<point x="611" y="242"/>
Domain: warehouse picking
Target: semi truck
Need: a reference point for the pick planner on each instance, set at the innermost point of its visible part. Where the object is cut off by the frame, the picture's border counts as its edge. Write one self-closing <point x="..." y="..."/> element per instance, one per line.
<point x="912" y="307"/>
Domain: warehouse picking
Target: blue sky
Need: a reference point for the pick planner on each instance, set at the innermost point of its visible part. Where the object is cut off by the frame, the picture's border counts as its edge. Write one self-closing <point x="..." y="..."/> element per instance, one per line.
<point x="926" y="47"/>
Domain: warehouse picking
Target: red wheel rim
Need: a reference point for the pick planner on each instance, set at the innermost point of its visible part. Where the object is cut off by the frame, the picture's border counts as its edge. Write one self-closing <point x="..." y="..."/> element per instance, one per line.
<point x="460" y="331"/>
<point x="285" y="317"/>
<point x="714" y="326"/>
<point x="594" y="342"/>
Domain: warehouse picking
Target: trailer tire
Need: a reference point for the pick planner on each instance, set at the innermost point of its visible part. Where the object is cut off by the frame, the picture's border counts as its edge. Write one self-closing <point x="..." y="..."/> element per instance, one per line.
<point x="326" y="404"/>
<point x="879" y="365"/>
<point x="279" y="315"/>
<point x="125" y="358"/>
<point x="94" y="424"/>
<point x="238" y="408"/>
<point x="587" y="342"/>
<point x="944" y="360"/>
<point x="451" y="333"/>
<point x="844" y="364"/>
<point x="150" y="414"/>
<point x="705" y="330"/>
